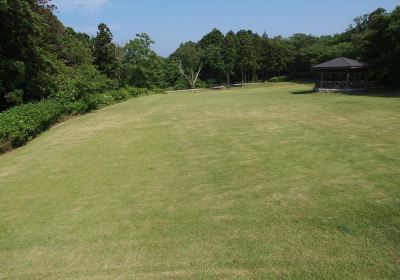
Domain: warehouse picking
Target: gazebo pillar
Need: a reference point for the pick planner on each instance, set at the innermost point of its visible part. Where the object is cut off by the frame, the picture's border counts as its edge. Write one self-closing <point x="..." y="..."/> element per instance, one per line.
<point x="322" y="79"/>
<point x="348" y="79"/>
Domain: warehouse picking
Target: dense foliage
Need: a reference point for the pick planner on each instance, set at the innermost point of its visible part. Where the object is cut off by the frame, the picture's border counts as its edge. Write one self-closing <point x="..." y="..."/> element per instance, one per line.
<point x="21" y="123"/>
<point x="66" y="72"/>
<point x="246" y="56"/>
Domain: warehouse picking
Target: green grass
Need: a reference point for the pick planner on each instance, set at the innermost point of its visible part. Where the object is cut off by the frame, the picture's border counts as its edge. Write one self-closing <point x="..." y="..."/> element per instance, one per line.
<point x="265" y="182"/>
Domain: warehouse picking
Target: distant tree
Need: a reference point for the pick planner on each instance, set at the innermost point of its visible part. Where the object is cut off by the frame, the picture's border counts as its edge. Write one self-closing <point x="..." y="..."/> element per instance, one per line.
<point x="230" y="55"/>
<point x="141" y="66"/>
<point x="247" y="54"/>
<point x="258" y="45"/>
<point x="139" y="50"/>
<point x="188" y="59"/>
<point x="172" y="74"/>
<point x="212" y="55"/>
<point x="105" y="52"/>
<point x="73" y="49"/>
<point x="376" y="39"/>
<point x="279" y="55"/>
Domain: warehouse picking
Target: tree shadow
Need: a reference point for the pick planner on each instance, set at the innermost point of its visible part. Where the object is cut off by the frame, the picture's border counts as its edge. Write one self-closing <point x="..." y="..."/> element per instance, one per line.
<point x="304" y="81"/>
<point x="377" y="92"/>
<point x="386" y="92"/>
<point x="303" y="92"/>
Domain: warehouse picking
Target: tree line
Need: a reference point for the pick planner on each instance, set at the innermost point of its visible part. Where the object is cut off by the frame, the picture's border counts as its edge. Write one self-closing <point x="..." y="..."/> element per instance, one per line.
<point x="40" y="58"/>
<point x="247" y="56"/>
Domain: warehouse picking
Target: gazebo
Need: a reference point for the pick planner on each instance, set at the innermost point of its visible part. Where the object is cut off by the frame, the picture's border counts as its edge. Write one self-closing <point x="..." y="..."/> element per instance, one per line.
<point x="341" y="75"/>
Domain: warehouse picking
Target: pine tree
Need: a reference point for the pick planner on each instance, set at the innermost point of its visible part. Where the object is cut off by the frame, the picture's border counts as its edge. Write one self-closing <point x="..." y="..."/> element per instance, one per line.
<point x="230" y="55"/>
<point x="212" y="46"/>
<point x="105" y="52"/>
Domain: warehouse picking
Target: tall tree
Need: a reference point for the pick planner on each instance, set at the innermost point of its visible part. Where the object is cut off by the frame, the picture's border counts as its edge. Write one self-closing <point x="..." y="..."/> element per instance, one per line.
<point x="26" y="64"/>
<point x="105" y="52"/>
<point x="142" y="67"/>
<point x="279" y="54"/>
<point x="212" y="55"/>
<point x="247" y="54"/>
<point x="73" y="48"/>
<point x="376" y="38"/>
<point x="187" y="57"/>
<point x="230" y="55"/>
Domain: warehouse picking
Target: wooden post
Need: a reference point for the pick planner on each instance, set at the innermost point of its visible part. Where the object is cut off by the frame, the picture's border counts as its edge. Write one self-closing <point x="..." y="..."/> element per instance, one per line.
<point x="322" y="79"/>
<point x="348" y="79"/>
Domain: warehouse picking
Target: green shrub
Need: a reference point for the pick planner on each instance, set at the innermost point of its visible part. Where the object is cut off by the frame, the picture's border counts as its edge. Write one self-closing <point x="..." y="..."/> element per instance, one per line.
<point x="200" y="84"/>
<point x="21" y="123"/>
<point x="76" y="107"/>
<point x="15" y="97"/>
<point x="103" y="100"/>
<point x="181" y="84"/>
<point x="80" y="82"/>
<point x="136" y="92"/>
<point x="210" y="83"/>
<point x="119" y="95"/>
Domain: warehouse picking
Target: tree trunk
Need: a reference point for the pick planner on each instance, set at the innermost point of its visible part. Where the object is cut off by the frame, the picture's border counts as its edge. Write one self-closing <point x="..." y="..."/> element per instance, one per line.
<point x="192" y="77"/>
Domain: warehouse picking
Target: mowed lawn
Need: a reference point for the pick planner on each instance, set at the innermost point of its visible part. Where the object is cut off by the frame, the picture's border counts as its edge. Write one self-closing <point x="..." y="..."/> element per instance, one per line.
<point x="264" y="182"/>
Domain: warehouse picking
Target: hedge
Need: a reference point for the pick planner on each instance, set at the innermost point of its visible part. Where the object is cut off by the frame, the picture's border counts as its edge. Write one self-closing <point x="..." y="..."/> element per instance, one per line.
<point x="21" y="123"/>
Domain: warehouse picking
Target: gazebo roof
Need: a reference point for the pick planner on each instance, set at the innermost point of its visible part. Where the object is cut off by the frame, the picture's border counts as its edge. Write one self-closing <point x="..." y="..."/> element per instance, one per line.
<point x="341" y="63"/>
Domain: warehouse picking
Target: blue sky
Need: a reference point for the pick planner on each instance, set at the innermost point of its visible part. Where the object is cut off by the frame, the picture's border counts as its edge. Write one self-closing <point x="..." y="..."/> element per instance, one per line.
<point x="170" y="22"/>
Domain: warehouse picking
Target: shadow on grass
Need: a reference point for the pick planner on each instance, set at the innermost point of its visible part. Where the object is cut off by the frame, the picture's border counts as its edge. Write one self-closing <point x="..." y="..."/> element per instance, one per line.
<point x="303" y="81"/>
<point x="373" y="92"/>
<point x="303" y="92"/>
<point x="377" y="92"/>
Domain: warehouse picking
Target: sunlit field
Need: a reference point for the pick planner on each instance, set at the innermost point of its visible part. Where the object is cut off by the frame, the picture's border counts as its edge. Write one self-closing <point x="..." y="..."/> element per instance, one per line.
<point x="262" y="182"/>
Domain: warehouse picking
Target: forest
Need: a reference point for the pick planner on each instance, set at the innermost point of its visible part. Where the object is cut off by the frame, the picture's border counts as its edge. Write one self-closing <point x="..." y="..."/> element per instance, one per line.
<point x="46" y="67"/>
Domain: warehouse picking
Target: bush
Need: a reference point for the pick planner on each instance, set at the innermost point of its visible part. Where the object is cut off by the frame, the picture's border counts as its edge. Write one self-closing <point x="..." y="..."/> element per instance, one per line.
<point x="279" y="79"/>
<point x="15" y="97"/>
<point x="210" y="83"/>
<point x="119" y="95"/>
<point x="181" y="84"/>
<point x="76" y="107"/>
<point x="136" y="92"/>
<point x="80" y="82"/>
<point x="199" y="84"/>
<point x="21" y="123"/>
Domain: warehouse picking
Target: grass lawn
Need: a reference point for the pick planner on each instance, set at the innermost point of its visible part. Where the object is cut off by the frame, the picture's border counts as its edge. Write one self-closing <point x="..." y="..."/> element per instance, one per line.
<point x="264" y="182"/>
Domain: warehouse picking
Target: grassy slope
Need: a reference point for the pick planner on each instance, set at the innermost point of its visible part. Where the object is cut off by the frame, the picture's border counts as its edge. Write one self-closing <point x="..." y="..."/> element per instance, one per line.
<point x="255" y="183"/>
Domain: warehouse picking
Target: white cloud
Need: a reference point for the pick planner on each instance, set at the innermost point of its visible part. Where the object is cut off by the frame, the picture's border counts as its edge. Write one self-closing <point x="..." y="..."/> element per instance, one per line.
<point x="83" y="5"/>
